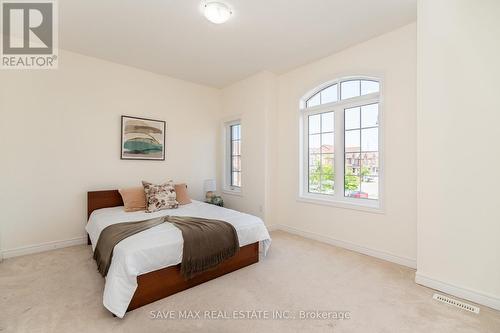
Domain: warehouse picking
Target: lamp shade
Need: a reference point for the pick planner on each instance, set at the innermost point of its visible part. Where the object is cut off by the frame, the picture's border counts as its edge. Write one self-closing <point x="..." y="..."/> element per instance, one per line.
<point x="210" y="185"/>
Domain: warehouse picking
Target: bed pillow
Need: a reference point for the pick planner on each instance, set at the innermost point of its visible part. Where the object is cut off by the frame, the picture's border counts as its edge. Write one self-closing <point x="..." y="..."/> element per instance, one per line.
<point x="182" y="194"/>
<point x="133" y="198"/>
<point x="159" y="197"/>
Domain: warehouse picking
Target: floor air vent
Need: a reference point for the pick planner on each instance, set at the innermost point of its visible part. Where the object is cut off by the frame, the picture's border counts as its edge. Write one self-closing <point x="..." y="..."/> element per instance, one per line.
<point x="458" y="304"/>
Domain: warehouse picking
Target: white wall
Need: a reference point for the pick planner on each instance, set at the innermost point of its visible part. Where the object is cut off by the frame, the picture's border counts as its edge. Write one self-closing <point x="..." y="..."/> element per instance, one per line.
<point x="458" y="154"/>
<point x="82" y="102"/>
<point x="392" y="234"/>
<point x="253" y="101"/>
<point x="60" y="137"/>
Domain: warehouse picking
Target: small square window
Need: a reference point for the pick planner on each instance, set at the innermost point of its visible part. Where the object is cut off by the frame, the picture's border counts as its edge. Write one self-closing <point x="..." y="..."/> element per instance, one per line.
<point x="350" y="89"/>
<point x="352" y="118"/>
<point x="314" y="101"/>
<point x="369" y="115"/>
<point x="329" y="95"/>
<point x="369" y="87"/>
<point x="314" y="124"/>
<point x="327" y="122"/>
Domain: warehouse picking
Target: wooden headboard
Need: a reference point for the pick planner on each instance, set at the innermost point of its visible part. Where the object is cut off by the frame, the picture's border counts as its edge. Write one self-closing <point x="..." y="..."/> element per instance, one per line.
<point x="103" y="199"/>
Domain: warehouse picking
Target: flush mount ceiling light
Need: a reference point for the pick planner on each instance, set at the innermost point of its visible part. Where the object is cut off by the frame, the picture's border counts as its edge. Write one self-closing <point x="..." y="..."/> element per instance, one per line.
<point x="217" y="12"/>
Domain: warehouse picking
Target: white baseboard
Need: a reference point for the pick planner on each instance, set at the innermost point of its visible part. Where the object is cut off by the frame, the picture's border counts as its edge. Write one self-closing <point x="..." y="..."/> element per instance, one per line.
<point x="24" y="250"/>
<point x="408" y="262"/>
<point x="272" y="227"/>
<point x="470" y="295"/>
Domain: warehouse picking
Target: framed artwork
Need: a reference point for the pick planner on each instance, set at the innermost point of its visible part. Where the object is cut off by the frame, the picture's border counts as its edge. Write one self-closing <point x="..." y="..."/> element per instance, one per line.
<point x="142" y="139"/>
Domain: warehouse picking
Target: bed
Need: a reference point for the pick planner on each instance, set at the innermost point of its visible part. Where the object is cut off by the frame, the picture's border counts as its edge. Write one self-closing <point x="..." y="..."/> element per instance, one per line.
<point x="146" y="266"/>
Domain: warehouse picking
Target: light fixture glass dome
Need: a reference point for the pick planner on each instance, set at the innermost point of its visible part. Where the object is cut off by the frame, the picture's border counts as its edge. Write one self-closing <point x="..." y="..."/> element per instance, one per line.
<point x="217" y="12"/>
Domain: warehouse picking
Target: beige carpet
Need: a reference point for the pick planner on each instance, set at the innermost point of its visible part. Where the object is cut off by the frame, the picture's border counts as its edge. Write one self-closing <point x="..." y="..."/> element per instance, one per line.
<point x="61" y="291"/>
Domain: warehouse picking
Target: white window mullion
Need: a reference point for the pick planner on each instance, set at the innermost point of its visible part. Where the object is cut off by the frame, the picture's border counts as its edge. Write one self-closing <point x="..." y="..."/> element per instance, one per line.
<point x="339" y="149"/>
<point x="339" y="153"/>
<point x="305" y="159"/>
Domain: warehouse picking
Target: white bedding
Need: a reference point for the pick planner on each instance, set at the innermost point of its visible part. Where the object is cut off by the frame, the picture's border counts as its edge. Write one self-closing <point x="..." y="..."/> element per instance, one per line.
<point x="159" y="247"/>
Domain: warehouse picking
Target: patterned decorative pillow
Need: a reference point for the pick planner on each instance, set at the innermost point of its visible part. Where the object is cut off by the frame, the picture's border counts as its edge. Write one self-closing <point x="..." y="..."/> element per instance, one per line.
<point x="159" y="197"/>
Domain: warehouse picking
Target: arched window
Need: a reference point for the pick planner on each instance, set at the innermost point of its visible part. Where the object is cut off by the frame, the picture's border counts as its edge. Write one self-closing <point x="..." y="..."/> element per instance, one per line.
<point x="340" y="131"/>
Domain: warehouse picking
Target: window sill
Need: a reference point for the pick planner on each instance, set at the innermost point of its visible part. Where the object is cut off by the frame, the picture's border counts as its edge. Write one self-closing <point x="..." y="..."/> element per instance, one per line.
<point x="235" y="192"/>
<point x="364" y="207"/>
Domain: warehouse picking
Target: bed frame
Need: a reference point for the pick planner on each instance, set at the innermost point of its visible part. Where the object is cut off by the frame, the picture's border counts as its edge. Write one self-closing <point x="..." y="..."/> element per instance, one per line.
<point x="168" y="281"/>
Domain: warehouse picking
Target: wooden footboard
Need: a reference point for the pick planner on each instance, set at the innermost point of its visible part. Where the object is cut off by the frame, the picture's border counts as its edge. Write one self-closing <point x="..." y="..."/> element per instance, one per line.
<point x="164" y="282"/>
<point x="168" y="281"/>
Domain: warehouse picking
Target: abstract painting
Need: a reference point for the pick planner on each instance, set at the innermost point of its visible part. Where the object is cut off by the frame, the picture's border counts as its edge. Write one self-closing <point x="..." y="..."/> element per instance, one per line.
<point x="142" y="139"/>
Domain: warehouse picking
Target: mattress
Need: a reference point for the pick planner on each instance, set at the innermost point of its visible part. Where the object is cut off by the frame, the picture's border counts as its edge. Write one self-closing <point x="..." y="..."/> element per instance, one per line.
<point x="160" y="246"/>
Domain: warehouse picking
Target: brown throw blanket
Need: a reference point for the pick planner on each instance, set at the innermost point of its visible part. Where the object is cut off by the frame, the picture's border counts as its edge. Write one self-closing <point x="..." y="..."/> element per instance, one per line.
<point x="114" y="234"/>
<point x="207" y="242"/>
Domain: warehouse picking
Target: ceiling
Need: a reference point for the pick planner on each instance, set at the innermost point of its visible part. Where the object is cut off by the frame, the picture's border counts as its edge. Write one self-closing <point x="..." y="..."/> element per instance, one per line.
<point x="172" y="37"/>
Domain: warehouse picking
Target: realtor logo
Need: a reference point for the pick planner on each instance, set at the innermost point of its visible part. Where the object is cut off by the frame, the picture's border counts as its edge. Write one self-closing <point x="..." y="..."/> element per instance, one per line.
<point x="29" y="35"/>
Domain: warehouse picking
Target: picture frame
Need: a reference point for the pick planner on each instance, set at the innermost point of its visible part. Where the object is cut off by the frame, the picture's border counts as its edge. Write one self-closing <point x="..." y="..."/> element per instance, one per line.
<point x="142" y="139"/>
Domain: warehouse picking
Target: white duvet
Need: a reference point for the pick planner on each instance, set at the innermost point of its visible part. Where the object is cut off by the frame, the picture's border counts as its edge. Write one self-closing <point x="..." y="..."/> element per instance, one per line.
<point x="159" y="247"/>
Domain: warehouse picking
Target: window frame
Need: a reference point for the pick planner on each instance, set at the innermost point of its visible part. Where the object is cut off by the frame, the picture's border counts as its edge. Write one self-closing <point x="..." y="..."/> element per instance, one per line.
<point x="228" y="187"/>
<point x="338" y="199"/>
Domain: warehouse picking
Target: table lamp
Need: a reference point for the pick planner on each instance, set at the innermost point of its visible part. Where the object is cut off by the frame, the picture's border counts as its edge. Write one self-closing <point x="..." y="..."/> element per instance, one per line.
<point x="210" y="186"/>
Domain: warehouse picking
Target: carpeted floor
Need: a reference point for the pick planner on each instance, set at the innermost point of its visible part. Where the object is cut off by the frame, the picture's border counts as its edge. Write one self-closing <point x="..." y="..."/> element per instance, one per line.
<point x="61" y="291"/>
